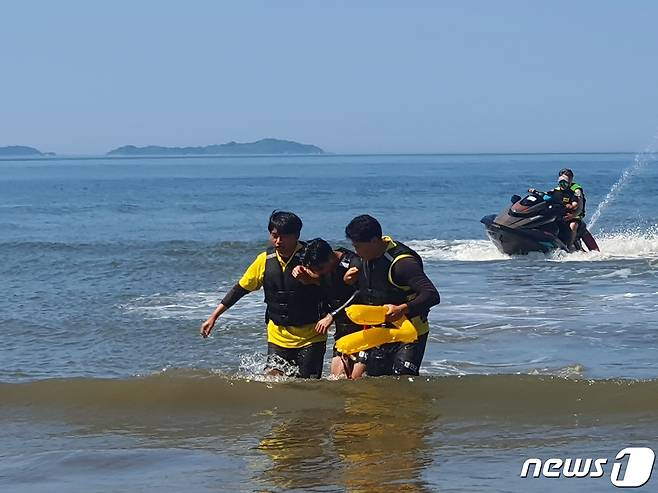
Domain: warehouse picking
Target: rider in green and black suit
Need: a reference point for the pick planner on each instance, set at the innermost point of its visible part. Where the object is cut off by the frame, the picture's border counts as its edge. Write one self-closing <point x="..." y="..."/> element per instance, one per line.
<point x="571" y="194"/>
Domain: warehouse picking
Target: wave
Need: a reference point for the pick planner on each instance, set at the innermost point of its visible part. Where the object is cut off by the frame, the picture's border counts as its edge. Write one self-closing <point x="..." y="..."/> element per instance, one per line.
<point x="461" y="250"/>
<point x="197" y="391"/>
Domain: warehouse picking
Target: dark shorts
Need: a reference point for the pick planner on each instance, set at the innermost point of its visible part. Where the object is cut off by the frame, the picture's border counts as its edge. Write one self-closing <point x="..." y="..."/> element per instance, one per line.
<point x="565" y="224"/>
<point x="304" y="362"/>
<point x="396" y="358"/>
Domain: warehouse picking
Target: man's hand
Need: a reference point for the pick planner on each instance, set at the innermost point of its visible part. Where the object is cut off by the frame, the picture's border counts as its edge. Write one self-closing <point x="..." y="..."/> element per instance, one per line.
<point x="351" y="275"/>
<point x="395" y="312"/>
<point x="324" y="323"/>
<point x="304" y="275"/>
<point x="207" y="326"/>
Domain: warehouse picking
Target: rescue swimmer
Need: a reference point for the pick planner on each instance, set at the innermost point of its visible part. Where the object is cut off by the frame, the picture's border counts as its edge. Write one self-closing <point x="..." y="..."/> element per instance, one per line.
<point x="391" y="275"/>
<point x="294" y="347"/>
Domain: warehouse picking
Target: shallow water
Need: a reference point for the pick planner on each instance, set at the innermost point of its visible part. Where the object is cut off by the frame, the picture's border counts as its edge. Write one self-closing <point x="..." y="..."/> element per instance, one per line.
<point x="110" y="266"/>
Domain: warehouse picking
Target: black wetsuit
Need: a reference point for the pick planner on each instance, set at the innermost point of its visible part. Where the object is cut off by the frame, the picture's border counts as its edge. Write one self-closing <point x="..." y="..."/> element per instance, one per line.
<point x="400" y="358"/>
<point x="565" y="197"/>
<point x="397" y="358"/>
<point x="336" y="293"/>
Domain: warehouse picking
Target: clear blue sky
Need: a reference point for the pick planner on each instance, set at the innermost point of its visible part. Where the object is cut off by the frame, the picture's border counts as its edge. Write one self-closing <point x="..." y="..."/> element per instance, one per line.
<point x="81" y="77"/>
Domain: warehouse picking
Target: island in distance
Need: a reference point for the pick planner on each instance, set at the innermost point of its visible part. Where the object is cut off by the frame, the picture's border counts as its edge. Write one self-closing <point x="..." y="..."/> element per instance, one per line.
<point x="22" y="151"/>
<point x="263" y="146"/>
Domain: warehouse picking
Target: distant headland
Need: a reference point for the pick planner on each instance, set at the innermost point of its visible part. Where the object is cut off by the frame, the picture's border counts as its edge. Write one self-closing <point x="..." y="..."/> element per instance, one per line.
<point x="263" y="146"/>
<point x="23" y="151"/>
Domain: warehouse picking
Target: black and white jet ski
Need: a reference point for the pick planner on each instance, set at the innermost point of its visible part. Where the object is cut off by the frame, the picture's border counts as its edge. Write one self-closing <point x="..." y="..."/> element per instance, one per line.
<point x="532" y="224"/>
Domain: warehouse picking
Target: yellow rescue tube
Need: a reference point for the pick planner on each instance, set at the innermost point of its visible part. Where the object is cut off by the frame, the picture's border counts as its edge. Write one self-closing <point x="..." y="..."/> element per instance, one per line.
<point x="404" y="330"/>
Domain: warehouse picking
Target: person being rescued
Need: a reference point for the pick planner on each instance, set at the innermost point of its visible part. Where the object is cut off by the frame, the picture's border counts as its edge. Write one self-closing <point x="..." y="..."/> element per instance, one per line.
<point x="391" y="275"/>
<point x="327" y="268"/>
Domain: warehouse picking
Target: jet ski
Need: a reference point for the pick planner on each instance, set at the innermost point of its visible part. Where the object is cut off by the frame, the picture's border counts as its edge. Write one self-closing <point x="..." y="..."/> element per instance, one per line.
<point x="532" y="224"/>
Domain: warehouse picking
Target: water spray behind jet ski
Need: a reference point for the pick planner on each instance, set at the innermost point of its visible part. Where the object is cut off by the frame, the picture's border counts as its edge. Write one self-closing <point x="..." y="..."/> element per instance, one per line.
<point x="641" y="160"/>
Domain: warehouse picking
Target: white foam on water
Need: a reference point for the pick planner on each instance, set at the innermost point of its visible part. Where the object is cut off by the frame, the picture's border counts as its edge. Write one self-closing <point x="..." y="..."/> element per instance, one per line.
<point x="627" y="295"/>
<point x="460" y="250"/>
<point x="632" y="244"/>
<point x="575" y="370"/>
<point x="619" y="273"/>
<point x="252" y="367"/>
<point x="623" y="245"/>
<point x="188" y="305"/>
<point x="464" y="367"/>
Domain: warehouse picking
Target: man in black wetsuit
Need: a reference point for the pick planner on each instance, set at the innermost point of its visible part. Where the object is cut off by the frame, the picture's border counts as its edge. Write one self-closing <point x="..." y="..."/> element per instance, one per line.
<point x="572" y="196"/>
<point x="576" y="212"/>
<point x="392" y="275"/>
<point x="329" y="267"/>
<point x="573" y="202"/>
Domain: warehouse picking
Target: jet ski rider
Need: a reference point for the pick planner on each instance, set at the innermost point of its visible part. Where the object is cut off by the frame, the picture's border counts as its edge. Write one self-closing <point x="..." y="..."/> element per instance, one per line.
<point x="572" y="224"/>
<point x="571" y="195"/>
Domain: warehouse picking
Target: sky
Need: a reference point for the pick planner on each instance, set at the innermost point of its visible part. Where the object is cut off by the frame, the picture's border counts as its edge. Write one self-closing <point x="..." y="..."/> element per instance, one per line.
<point x="83" y="77"/>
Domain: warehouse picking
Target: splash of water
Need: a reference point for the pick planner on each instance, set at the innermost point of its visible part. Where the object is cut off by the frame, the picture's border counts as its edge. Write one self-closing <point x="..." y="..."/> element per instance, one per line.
<point x="629" y="244"/>
<point x="252" y="367"/>
<point x="635" y="243"/>
<point x="460" y="250"/>
<point x="641" y="160"/>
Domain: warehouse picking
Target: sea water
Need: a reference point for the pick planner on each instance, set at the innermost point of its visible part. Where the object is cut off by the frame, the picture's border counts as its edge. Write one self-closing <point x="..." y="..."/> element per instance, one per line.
<point x="109" y="266"/>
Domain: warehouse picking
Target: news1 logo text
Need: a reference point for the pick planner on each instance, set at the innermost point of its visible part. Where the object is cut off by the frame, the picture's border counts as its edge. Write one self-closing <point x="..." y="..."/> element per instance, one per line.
<point x="631" y="468"/>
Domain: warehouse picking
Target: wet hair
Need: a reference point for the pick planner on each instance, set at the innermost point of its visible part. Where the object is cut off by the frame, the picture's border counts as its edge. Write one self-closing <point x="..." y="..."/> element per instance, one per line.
<point x="285" y="223"/>
<point x="363" y="228"/>
<point x="566" y="171"/>
<point x="317" y="252"/>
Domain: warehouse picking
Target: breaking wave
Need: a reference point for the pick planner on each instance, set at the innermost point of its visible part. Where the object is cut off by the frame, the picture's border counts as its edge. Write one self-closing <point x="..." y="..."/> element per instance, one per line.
<point x="183" y="391"/>
<point x="460" y="250"/>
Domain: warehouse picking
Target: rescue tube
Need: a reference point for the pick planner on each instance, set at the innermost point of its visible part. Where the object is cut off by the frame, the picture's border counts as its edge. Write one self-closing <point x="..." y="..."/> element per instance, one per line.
<point x="367" y="338"/>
